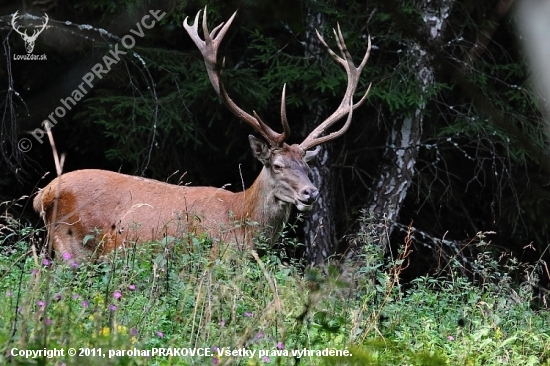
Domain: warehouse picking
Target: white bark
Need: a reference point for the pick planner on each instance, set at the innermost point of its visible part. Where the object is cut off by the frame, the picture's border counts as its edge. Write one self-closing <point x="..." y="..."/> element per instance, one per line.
<point x="534" y="29"/>
<point x="399" y="161"/>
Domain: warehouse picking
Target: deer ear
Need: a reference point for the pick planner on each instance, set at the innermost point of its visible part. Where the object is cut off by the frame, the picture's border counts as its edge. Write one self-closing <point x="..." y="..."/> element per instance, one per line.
<point x="311" y="153"/>
<point x="260" y="149"/>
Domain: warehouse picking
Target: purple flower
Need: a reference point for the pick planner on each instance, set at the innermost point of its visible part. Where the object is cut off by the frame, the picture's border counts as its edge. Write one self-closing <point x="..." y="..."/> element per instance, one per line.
<point x="74" y="264"/>
<point x="46" y="262"/>
<point x="248" y="314"/>
<point x="280" y="345"/>
<point x="260" y="335"/>
<point x="266" y="359"/>
<point x="112" y="307"/>
<point x="9" y="293"/>
<point x="67" y="256"/>
<point x="57" y="297"/>
<point x="160" y="334"/>
<point x="215" y="361"/>
<point x="75" y="296"/>
<point x="133" y="331"/>
<point x="222" y="323"/>
<point x="84" y="304"/>
<point x="34" y="271"/>
<point x="451" y="338"/>
<point x="41" y="303"/>
<point x="132" y="287"/>
<point x="117" y="294"/>
<point x="48" y="321"/>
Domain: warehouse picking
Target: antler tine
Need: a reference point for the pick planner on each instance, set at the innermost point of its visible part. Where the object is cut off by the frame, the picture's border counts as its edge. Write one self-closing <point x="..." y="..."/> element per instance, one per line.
<point x="346" y="106"/>
<point x="209" y="50"/>
<point x="335" y="134"/>
<point x="16" y="28"/>
<point x="36" y="33"/>
<point x="208" y="47"/>
<point x="284" y="120"/>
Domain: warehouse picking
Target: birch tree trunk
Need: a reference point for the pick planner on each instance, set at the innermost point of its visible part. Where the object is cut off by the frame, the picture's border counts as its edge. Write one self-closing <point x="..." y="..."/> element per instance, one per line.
<point x="319" y="223"/>
<point x="398" y="164"/>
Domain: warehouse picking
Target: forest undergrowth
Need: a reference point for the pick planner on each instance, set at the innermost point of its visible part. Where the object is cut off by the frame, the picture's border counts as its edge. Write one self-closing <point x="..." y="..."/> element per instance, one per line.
<point x="176" y="297"/>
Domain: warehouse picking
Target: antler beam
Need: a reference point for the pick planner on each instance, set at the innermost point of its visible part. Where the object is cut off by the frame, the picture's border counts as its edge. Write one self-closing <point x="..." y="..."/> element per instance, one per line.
<point x="209" y="50"/>
<point x="346" y="106"/>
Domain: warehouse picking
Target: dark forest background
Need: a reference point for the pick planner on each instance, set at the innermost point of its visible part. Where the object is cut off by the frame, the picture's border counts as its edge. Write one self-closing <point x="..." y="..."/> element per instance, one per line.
<point x="449" y="142"/>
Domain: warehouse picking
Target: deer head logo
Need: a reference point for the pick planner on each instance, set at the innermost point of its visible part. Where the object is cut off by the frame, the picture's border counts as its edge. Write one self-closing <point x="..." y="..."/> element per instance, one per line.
<point x="29" y="40"/>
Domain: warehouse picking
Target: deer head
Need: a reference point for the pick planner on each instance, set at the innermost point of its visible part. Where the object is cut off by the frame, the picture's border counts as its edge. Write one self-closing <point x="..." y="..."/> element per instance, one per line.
<point x="285" y="165"/>
<point x="29" y="40"/>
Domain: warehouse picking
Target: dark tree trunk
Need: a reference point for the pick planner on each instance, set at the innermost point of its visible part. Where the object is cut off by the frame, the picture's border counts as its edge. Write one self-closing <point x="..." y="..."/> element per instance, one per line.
<point x="398" y="165"/>
<point x="319" y="223"/>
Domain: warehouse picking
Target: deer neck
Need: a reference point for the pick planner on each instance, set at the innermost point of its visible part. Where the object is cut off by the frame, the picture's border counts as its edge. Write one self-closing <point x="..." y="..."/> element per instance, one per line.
<point x="259" y="205"/>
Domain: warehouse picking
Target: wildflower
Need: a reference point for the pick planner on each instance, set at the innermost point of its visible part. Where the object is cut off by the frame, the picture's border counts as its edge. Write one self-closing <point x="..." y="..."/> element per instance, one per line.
<point x="280" y="345"/>
<point x="75" y="296"/>
<point x="99" y="300"/>
<point x="84" y="304"/>
<point x="46" y="262"/>
<point x="222" y="323"/>
<point x="132" y="287"/>
<point x="248" y="314"/>
<point x="105" y="331"/>
<point x="67" y="256"/>
<point x="133" y="340"/>
<point x="216" y="359"/>
<point x="34" y="271"/>
<point x="74" y="264"/>
<point x="260" y="335"/>
<point x="112" y="307"/>
<point x="48" y="321"/>
<point x="117" y="294"/>
<point x="9" y="293"/>
<point x="41" y="303"/>
<point x="58" y="297"/>
<point x="160" y="334"/>
<point x="121" y="329"/>
<point x="266" y="359"/>
<point x="133" y="331"/>
<point x="451" y="338"/>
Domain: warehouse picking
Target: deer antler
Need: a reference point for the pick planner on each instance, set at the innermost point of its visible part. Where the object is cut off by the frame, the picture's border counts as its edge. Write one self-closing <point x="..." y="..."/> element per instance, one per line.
<point x="24" y="34"/>
<point x="13" y="19"/>
<point x="209" y="50"/>
<point x="346" y="106"/>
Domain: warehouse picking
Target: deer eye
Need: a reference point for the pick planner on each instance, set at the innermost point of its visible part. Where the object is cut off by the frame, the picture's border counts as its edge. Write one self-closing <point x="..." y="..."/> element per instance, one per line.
<point x="277" y="166"/>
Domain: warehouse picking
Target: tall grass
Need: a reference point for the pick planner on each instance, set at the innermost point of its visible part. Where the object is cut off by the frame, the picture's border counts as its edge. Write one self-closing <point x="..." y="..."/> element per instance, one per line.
<point x="175" y="293"/>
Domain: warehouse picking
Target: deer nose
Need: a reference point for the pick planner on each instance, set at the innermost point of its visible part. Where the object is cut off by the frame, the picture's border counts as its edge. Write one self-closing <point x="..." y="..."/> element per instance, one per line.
<point x="309" y="195"/>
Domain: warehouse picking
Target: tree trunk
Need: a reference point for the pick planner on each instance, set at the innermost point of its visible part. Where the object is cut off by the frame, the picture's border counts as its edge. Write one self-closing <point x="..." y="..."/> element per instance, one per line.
<point x="319" y="223"/>
<point x="398" y="164"/>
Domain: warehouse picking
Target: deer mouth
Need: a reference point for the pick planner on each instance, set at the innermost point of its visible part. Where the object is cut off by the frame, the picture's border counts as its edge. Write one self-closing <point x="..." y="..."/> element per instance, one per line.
<point x="302" y="205"/>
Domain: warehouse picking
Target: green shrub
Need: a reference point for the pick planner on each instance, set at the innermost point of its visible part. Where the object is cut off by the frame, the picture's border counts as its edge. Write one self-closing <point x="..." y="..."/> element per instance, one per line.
<point x="176" y="294"/>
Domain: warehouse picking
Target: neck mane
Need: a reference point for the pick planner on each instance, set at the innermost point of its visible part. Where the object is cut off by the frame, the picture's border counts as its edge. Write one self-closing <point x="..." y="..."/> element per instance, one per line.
<point x="259" y="209"/>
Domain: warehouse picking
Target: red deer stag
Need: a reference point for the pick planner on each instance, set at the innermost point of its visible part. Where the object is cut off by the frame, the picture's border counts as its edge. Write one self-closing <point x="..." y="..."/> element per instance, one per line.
<point x="121" y="209"/>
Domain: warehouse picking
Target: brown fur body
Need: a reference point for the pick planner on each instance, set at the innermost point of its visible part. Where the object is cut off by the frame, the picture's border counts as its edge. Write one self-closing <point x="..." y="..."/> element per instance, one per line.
<point x="120" y="209"/>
